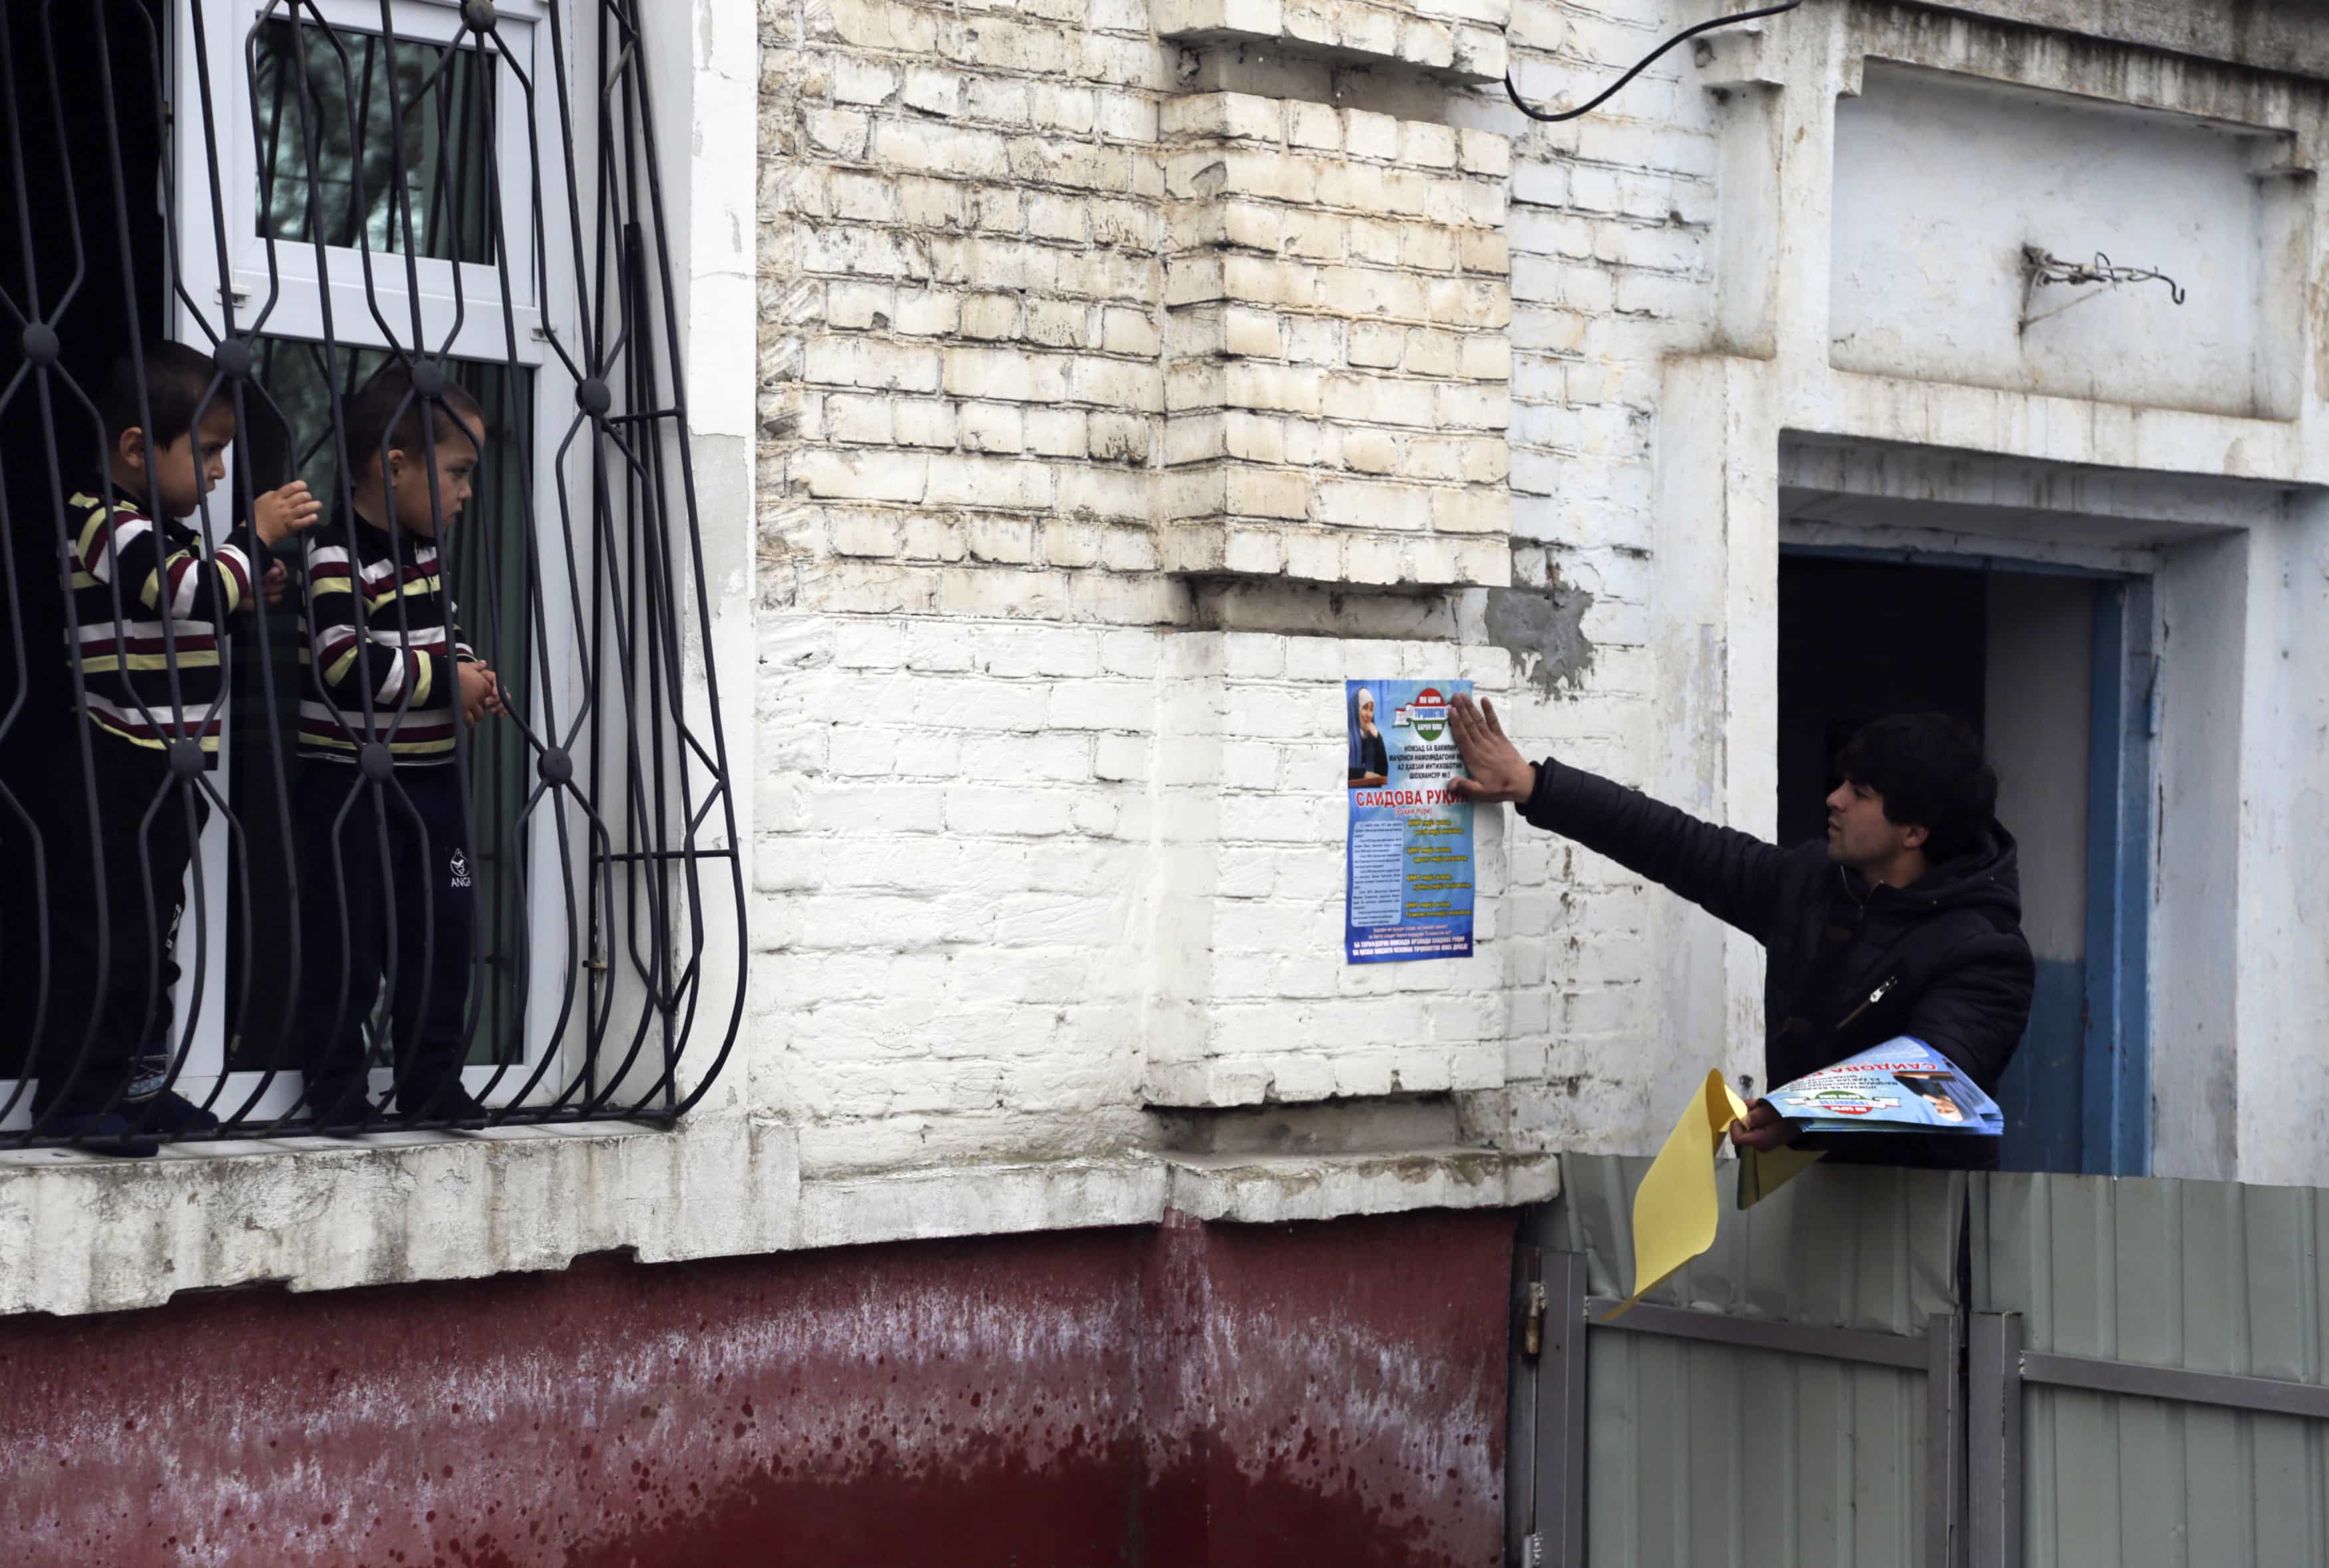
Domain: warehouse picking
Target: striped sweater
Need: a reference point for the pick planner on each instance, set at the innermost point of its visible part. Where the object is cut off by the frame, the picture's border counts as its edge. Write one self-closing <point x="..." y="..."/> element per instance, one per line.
<point x="379" y="623"/>
<point x="150" y="666"/>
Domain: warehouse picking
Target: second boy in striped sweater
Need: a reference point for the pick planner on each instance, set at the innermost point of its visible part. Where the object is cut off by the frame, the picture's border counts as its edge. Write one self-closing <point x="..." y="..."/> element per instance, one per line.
<point x="383" y="822"/>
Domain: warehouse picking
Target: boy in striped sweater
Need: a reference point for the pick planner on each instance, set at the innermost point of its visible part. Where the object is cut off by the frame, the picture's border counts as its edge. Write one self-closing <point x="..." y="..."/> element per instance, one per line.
<point x="383" y="823"/>
<point x="150" y="604"/>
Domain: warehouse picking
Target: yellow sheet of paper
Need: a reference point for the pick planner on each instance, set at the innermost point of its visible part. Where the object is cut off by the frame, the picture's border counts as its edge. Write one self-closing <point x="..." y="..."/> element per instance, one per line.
<point x="1676" y="1209"/>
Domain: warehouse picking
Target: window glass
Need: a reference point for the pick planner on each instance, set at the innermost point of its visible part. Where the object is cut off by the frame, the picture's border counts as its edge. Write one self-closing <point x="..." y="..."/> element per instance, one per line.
<point x="344" y="91"/>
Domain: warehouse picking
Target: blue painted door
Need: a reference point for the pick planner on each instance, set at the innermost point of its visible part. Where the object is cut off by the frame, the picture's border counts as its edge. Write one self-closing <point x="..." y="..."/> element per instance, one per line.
<point x="2039" y="675"/>
<point x="2068" y="732"/>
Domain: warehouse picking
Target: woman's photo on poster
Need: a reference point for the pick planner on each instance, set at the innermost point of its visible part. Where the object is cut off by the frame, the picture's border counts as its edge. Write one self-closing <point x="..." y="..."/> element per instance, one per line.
<point x="1370" y="758"/>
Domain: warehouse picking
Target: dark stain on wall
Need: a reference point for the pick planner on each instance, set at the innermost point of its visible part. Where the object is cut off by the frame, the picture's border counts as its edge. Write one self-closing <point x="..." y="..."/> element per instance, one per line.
<point x="1543" y="629"/>
<point x="1193" y="1396"/>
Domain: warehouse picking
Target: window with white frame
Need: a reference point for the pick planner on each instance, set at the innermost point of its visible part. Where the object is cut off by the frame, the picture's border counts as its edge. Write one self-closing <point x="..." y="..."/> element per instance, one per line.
<point x="465" y="195"/>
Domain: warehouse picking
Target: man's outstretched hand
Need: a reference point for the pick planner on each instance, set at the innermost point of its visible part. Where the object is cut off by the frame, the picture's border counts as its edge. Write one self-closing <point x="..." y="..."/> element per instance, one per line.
<point x="1499" y="772"/>
<point x="1763" y="1128"/>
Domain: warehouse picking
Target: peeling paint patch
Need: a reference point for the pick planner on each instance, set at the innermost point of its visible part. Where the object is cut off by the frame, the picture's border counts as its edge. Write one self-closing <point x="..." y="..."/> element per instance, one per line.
<point x="1544" y="630"/>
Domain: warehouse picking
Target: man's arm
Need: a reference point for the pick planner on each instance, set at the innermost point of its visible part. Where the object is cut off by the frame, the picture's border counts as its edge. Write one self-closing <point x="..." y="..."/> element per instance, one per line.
<point x="1735" y="877"/>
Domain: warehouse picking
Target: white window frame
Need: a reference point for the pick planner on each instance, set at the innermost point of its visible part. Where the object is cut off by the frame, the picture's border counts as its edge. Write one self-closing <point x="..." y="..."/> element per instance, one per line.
<point x="523" y="27"/>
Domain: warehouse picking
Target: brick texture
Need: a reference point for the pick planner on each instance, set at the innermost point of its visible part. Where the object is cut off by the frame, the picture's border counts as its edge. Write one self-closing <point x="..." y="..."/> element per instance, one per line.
<point x="1052" y="346"/>
<point x="1461" y="39"/>
<point x="1251" y="1001"/>
<point x="1337" y="368"/>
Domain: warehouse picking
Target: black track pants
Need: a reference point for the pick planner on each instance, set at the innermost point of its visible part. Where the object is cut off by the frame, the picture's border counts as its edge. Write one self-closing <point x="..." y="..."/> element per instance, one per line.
<point x="391" y="861"/>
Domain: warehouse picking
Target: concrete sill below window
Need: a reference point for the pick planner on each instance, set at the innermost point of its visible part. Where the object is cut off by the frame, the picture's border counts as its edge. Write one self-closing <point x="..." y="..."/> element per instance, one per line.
<point x="82" y="1234"/>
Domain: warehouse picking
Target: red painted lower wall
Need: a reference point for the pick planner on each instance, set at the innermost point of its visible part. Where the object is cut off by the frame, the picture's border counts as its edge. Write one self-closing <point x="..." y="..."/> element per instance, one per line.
<point x="1193" y="1396"/>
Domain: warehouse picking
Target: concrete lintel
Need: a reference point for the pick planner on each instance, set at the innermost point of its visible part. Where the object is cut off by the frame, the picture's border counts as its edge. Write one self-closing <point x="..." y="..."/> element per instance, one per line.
<point x="2276" y="36"/>
<point x="2048" y="430"/>
<point x="1973" y="545"/>
<point x="1820" y="479"/>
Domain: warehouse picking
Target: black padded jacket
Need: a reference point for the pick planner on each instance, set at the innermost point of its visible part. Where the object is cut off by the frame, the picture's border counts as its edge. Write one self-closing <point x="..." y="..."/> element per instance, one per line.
<point x="1950" y="945"/>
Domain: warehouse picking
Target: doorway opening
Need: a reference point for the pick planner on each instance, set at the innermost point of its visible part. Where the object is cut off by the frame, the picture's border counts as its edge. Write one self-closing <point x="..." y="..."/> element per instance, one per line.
<point x="2049" y="667"/>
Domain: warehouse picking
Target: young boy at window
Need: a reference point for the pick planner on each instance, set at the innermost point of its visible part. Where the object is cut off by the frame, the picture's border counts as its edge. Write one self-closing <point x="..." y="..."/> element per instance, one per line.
<point x="151" y="601"/>
<point x="384" y="825"/>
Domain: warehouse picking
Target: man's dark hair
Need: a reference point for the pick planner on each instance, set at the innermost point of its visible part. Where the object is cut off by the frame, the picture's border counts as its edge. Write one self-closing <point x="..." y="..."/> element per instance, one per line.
<point x="175" y="378"/>
<point x="387" y="409"/>
<point x="1930" y="771"/>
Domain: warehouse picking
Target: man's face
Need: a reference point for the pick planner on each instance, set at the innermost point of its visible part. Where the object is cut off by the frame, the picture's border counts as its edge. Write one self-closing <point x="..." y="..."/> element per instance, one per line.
<point x="188" y="468"/>
<point x="1860" y="835"/>
<point x="459" y="443"/>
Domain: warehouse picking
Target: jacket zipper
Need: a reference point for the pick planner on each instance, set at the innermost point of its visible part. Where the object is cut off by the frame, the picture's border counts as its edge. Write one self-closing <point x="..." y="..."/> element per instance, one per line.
<point x="1874" y="997"/>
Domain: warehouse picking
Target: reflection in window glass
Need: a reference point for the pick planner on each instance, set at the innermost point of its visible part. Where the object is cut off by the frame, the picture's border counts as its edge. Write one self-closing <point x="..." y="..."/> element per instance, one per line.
<point x="491" y="582"/>
<point x="346" y="98"/>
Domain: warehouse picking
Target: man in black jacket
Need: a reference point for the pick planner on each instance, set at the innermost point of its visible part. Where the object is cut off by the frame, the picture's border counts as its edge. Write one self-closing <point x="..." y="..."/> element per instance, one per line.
<point x="1907" y="921"/>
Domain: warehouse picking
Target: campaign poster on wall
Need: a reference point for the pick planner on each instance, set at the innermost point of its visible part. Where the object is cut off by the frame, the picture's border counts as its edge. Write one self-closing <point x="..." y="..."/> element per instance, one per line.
<point x="1409" y="865"/>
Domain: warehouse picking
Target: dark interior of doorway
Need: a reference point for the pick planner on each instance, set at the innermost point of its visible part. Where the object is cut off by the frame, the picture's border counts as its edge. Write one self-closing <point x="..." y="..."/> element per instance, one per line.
<point x="1860" y="640"/>
<point x="2007" y="654"/>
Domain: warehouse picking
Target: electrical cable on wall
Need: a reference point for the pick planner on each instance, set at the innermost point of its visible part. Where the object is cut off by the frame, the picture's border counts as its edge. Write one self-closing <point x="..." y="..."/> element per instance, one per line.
<point x="1614" y="87"/>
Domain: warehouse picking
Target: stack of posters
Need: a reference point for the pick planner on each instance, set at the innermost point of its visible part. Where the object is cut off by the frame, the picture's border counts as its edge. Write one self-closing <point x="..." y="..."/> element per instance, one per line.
<point x="1903" y="1086"/>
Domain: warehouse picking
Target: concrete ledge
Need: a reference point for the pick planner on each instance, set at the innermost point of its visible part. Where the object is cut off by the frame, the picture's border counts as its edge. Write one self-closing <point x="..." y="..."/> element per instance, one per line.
<point x="981" y="1200"/>
<point x="1255" y="1189"/>
<point x="80" y="1233"/>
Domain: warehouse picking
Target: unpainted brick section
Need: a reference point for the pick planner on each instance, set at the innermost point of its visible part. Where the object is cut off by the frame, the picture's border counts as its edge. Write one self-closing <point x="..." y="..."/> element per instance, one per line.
<point x="1338" y="373"/>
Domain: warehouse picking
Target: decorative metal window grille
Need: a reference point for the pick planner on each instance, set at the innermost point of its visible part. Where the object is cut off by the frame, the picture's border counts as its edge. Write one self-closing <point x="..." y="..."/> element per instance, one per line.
<point x="463" y="199"/>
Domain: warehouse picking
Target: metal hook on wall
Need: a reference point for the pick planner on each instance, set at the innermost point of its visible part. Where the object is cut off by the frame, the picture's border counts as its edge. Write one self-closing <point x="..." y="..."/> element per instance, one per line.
<point x="1614" y="87"/>
<point x="2043" y="267"/>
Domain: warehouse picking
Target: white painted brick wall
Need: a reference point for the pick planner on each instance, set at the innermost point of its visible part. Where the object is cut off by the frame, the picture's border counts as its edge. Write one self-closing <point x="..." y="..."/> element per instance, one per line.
<point x="1252" y="998"/>
<point x="1039" y="832"/>
<point x="1036" y="848"/>
<point x="1040" y="828"/>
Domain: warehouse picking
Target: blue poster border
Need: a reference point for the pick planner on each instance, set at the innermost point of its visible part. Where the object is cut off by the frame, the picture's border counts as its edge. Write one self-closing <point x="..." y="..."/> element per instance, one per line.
<point x="1409" y="868"/>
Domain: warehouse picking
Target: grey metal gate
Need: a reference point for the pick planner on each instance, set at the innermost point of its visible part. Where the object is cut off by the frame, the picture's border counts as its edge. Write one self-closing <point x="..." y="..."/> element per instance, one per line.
<point x="2118" y="1372"/>
<point x="2147" y="1374"/>
<point x="1774" y="1402"/>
